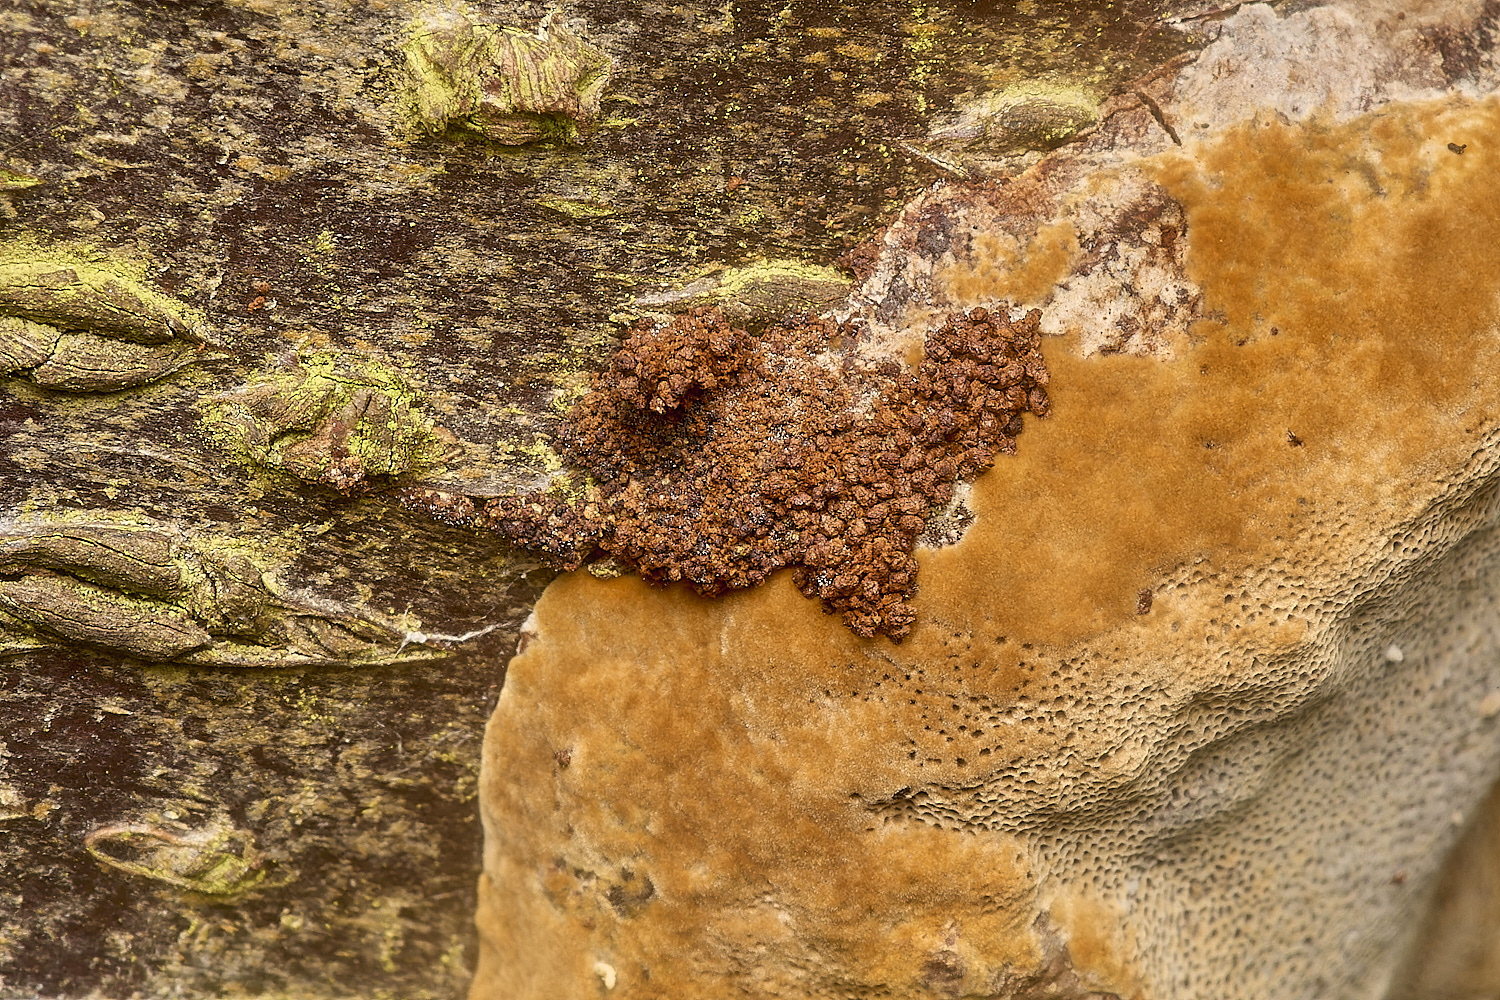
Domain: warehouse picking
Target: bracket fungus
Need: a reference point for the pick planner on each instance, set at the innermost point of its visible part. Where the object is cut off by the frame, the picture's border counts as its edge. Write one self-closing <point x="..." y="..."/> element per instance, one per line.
<point x="1147" y="737"/>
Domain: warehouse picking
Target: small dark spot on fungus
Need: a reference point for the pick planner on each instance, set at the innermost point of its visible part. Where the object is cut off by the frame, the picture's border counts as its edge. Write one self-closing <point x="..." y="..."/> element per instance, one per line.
<point x="631" y="893"/>
<point x="1143" y="600"/>
<point x="943" y="973"/>
<point x="564" y="756"/>
<point x="717" y="457"/>
<point x="1454" y="147"/>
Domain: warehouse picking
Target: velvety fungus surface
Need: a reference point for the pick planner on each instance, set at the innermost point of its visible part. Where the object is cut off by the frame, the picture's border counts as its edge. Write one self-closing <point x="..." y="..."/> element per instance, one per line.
<point x="1346" y="283"/>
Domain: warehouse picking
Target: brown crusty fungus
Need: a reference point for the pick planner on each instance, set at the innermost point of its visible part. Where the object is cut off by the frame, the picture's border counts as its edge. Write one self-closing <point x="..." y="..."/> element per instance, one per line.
<point x="718" y="457"/>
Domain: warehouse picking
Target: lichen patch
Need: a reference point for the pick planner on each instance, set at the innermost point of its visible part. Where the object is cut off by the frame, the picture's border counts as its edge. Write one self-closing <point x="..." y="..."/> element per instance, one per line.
<point x="327" y="418"/>
<point x="80" y="322"/>
<point x="992" y="131"/>
<point x="762" y="288"/>
<point x="149" y="591"/>
<point x="507" y="86"/>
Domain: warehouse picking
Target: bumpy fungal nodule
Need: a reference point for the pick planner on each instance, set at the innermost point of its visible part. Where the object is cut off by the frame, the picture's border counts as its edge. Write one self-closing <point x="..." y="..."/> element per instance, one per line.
<point x="717" y="457"/>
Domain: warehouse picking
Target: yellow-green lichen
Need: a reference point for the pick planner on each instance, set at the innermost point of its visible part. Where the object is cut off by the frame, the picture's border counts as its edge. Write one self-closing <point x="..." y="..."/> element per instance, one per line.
<point x="571" y="385"/>
<point x="81" y="321"/>
<point x="764" y="287"/>
<point x="154" y="592"/>
<point x="15" y="180"/>
<point x="91" y="291"/>
<point x="328" y="418"/>
<point x="544" y="456"/>
<point x="575" y="208"/>
<point x="320" y="248"/>
<point x="217" y="859"/>
<point x="504" y="85"/>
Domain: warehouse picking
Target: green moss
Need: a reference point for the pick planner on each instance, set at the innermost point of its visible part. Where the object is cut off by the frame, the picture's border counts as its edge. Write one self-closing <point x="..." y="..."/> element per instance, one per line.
<point x="801" y="282"/>
<point x="572" y="384"/>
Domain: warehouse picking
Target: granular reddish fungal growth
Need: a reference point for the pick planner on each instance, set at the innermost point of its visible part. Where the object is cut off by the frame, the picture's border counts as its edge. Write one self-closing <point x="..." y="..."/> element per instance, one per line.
<point x="718" y="457"/>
